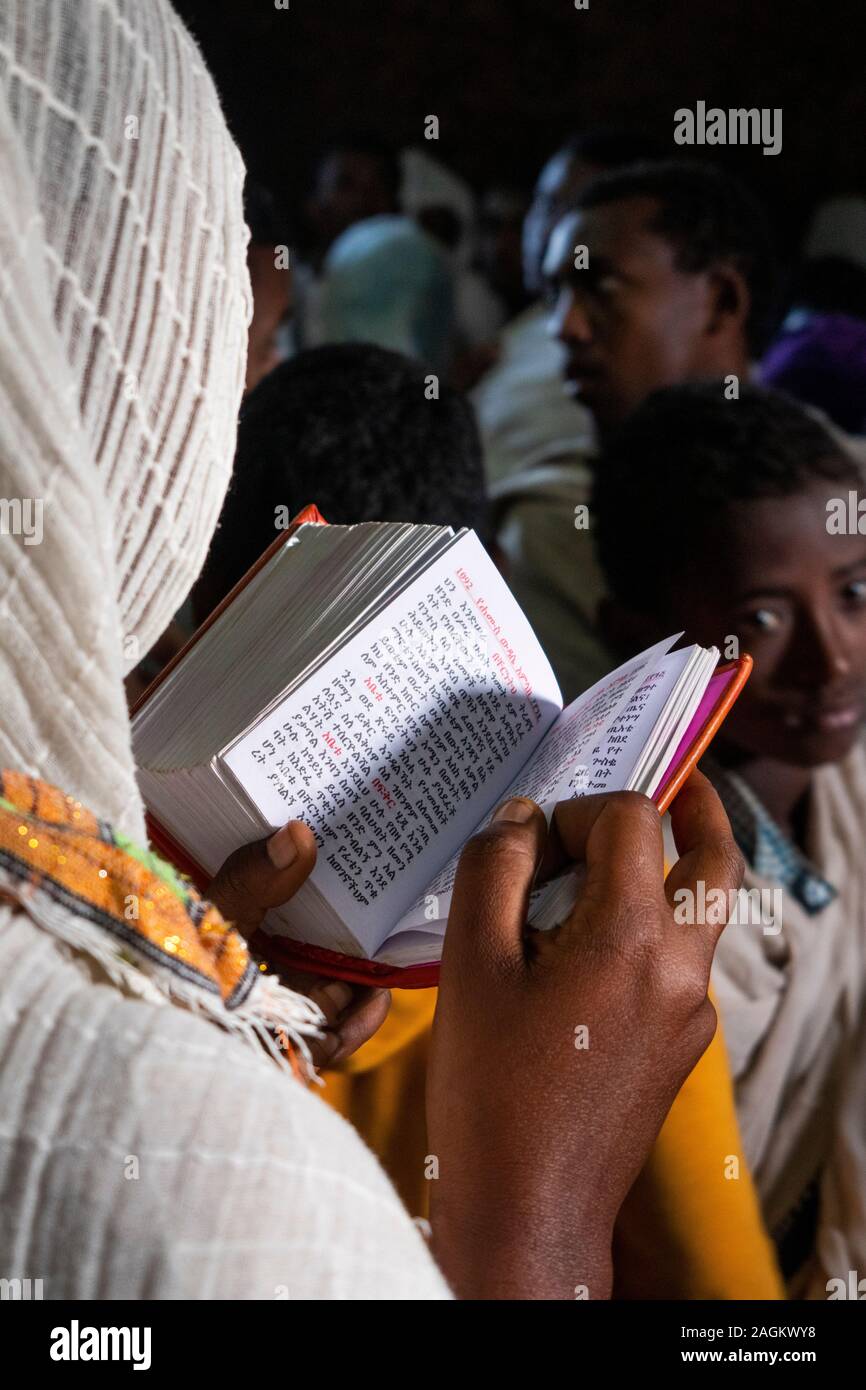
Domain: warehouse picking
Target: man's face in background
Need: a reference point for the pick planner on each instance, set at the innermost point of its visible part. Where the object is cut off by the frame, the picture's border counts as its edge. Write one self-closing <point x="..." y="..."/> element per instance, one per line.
<point x="630" y="321"/>
<point x="559" y="183"/>
<point x="351" y="185"/>
<point x="503" y="213"/>
<point x="796" y="603"/>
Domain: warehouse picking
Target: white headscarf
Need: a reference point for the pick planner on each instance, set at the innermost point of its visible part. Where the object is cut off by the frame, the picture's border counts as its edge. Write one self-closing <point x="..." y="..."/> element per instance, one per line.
<point x="387" y="282"/>
<point x="123" y="310"/>
<point x="124" y="304"/>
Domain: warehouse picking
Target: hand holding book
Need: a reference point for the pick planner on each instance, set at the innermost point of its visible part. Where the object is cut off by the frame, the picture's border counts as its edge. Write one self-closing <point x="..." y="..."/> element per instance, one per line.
<point x="261" y="721"/>
<point x="534" y="1128"/>
<point x="550" y="1128"/>
<point x="380" y="682"/>
<point x="267" y="874"/>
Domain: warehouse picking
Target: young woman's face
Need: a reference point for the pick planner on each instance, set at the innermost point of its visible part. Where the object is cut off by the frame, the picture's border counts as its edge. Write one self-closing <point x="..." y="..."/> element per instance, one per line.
<point x="795" y="597"/>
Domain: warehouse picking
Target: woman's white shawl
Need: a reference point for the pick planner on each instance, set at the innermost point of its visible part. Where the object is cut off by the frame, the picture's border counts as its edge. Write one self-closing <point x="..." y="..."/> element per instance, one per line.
<point x="144" y="1152"/>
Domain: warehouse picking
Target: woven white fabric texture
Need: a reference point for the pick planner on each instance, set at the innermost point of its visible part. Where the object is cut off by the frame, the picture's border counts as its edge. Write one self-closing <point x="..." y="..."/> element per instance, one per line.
<point x="144" y="1151"/>
<point x="124" y="303"/>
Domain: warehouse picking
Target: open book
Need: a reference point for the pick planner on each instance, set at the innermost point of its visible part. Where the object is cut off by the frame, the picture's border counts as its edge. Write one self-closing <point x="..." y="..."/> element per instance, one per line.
<point x="380" y="683"/>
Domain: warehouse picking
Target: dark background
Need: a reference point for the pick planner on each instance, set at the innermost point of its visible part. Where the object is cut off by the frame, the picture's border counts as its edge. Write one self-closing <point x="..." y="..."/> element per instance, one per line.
<point x="508" y="78"/>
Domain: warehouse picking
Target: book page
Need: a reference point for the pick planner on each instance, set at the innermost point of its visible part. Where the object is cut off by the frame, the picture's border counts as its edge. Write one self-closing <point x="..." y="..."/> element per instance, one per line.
<point x="577" y="755"/>
<point x="613" y="761"/>
<point x="606" y="763"/>
<point x="400" y="742"/>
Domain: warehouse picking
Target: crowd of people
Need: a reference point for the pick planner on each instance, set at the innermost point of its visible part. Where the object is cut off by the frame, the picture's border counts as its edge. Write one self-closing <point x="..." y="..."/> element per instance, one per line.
<point x="647" y="420"/>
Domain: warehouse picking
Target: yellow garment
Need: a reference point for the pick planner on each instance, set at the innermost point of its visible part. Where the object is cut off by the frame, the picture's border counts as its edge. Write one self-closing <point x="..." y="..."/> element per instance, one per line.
<point x="380" y="1090"/>
<point x="685" y="1231"/>
<point x="689" y="1228"/>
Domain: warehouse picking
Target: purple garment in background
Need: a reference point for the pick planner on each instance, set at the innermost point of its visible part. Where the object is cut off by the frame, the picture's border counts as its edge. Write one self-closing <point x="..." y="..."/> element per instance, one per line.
<point x="822" y="362"/>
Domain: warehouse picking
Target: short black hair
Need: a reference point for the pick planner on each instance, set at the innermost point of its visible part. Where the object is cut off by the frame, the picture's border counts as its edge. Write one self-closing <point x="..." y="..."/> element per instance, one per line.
<point x="680" y="459"/>
<point x="349" y="427"/>
<point x="708" y="217"/>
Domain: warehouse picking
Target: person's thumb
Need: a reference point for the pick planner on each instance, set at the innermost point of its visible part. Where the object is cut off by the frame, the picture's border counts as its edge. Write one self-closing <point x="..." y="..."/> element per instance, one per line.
<point x="262" y="875"/>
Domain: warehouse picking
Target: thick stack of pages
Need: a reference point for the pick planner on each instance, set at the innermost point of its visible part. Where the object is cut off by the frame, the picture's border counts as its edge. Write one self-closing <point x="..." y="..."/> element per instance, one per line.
<point x="380" y="683"/>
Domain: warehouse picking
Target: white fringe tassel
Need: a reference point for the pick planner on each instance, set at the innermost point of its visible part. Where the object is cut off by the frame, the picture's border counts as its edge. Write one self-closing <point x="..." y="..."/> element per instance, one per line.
<point x="270" y="1009"/>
